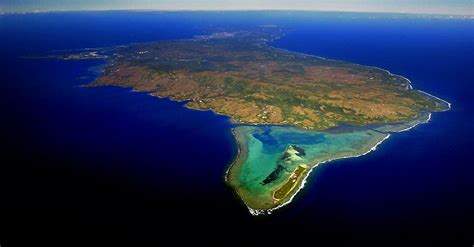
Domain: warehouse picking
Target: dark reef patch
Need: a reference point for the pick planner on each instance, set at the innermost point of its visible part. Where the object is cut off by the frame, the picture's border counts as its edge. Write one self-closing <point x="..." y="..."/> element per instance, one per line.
<point x="300" y="151"/>
<point x="274" y="175"/>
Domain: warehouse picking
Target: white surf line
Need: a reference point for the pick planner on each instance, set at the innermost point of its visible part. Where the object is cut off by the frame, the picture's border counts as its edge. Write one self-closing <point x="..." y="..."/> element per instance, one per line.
<point x="368" y="66"/>
<point x="449" y="104"/>
<point x="411" y="127"/>
<point x="269" y="211"/>
<point x="226" y="177"/>
<point x="406" y="129"/>
<point x="336" y="60"/>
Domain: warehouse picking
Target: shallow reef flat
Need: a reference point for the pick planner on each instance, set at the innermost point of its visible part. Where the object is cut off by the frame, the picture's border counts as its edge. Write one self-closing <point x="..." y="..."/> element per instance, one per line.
<point x="268" y="160"/>
<point x="292" y="111"/>
<point x="274" y="161"/>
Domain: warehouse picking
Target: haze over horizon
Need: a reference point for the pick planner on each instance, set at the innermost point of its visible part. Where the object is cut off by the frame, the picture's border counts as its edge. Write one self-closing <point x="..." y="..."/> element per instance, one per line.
<point x="454" y="7"/>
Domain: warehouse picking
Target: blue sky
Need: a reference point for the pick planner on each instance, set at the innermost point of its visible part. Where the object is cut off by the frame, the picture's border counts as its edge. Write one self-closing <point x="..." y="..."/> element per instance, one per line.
<point x="464" y="7"/>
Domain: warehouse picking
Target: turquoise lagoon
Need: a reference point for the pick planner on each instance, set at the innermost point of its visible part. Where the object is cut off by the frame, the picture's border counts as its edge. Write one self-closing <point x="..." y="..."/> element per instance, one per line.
<point x="266" y="157"/>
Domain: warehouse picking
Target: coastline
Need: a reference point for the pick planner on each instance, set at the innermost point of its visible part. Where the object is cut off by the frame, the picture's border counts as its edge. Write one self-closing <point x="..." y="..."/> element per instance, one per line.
<point x="270" y="44"/>
<point x="255" y="211"/>
<point x="303" y="182"/>
<point x="237" y="156"/>
<point x="242" y="149"/>
<point x="367" y="66"/>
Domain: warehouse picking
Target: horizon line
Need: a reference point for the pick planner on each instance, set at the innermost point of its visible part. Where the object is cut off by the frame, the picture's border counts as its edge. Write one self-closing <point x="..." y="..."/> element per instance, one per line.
<point x="238" y="10"/>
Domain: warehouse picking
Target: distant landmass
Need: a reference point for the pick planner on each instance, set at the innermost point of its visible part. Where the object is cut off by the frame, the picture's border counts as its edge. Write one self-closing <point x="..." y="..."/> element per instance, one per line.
<point x="238" y="74"/>
<point x="292" y="111"/>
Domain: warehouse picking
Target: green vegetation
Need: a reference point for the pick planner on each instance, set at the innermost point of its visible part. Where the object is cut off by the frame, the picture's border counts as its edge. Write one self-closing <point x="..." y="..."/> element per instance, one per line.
<point x="239" y="75"/>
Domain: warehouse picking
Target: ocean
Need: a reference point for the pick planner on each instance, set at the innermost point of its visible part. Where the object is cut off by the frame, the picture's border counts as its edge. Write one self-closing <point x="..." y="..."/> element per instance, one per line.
<point x="109" y="158"/>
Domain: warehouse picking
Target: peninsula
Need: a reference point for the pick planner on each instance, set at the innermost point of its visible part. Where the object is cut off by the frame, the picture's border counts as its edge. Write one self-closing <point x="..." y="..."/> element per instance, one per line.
<point x="292" y="111"/>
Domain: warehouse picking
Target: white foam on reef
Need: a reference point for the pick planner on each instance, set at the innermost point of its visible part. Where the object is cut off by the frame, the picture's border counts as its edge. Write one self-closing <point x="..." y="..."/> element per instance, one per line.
<point x="449" y="104"/>
<point x="269" y="211"/>
<point x="411" y="127"/>
<point x="256" y="212"/>
<point x="409" y="87"/>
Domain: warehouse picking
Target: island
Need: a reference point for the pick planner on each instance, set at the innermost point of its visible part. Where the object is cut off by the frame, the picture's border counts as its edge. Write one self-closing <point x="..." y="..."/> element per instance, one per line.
<point x="292" y="111"/>
<point x="72" y="56"/>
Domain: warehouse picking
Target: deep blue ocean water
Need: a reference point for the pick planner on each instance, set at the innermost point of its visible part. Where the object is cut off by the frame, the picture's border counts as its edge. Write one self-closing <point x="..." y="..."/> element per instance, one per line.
<point x="109" y="158"/>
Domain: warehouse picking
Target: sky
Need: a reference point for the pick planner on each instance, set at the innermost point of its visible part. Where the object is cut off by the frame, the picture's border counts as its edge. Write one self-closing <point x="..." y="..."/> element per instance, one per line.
<point x="456" y="7"/>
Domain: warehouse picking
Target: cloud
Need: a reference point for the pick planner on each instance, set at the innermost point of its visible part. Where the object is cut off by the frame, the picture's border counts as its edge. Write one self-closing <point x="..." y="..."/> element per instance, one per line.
<point x="464" y="7"/>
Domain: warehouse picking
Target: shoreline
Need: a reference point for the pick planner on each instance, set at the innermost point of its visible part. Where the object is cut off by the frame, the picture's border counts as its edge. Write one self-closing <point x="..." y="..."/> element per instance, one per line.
<point x="270" y="44"/>
<point x="241" y="150"/>
<point x="257" y="212"/>
<point x="411" y="127"/>
<point x="367" y="66"/>
<point x="253" y="211"/>
<point x="234" y="163"/>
